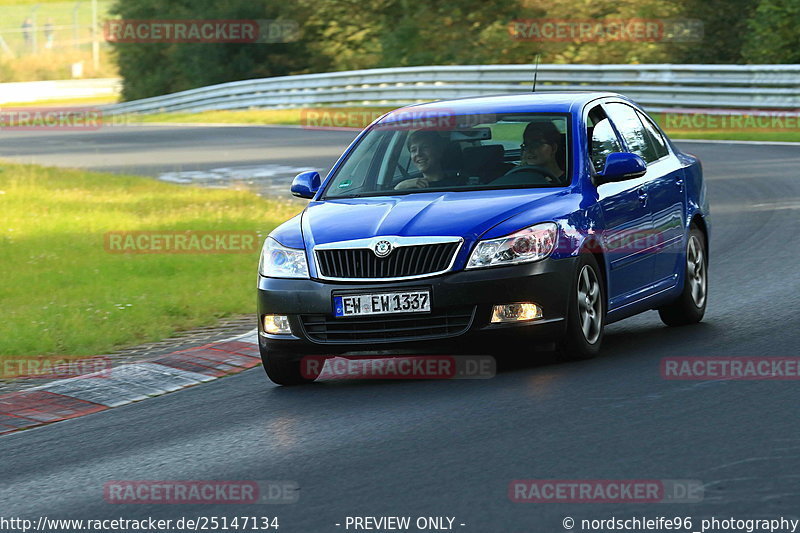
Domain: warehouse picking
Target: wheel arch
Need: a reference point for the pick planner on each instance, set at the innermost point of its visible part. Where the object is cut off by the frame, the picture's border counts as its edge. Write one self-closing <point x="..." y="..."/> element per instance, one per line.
<point x="700" y="223"/>
<point x="593" y="246"/>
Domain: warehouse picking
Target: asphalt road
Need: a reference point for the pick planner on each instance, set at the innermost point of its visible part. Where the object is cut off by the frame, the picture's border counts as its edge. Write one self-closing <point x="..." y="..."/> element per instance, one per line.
<point x="151" y="150"/>
<point x="263" y="159"/>
<point x="451" y="448"/>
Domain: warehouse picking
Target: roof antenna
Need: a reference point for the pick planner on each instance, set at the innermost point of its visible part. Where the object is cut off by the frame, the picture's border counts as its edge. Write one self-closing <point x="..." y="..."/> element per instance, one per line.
<point x="535" y="73"/>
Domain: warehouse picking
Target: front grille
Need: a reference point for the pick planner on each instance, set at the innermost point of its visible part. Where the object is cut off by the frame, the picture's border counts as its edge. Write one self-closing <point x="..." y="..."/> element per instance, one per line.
<point x="388" y="328"/>
<point x="404" y="261"/>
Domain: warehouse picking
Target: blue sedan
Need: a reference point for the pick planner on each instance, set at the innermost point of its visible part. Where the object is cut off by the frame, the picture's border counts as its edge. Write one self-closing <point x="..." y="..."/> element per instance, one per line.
<point x="463" y="223"/>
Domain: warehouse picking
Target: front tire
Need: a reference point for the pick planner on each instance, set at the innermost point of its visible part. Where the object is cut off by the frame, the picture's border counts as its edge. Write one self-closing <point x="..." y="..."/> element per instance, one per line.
<point x="586" y="314"/>
<point x="286" y="369"/>
<point x="690" y="306"/>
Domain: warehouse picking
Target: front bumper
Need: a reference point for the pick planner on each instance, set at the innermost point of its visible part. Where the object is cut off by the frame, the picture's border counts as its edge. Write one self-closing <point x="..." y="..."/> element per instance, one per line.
<point x="547" y="283"/>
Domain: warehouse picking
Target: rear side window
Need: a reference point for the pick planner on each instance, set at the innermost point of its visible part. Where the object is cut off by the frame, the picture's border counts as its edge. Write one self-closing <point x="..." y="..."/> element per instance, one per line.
<point x="632" y="131"/>
<point x="655" y="137"/>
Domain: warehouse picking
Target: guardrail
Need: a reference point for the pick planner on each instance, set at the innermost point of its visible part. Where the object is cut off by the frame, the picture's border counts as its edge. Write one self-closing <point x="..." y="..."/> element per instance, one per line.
<point x="657" y="87"/>
<point x="37" y="91"/>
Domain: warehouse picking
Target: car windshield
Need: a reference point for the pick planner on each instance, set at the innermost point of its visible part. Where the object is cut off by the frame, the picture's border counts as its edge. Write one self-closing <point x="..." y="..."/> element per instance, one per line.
<point x="424" y="151"/>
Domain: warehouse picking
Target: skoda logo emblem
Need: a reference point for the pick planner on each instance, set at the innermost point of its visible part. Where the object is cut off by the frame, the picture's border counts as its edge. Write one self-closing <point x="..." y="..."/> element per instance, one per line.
<point x="382" y="248"/>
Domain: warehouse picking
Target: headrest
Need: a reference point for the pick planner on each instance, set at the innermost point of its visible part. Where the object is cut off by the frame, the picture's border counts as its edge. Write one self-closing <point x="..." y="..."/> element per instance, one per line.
<point x="477" y="158"/>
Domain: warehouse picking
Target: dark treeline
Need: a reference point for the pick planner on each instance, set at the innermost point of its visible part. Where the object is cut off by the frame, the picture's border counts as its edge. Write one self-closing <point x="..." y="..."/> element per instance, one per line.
<point x="354" y="34"/>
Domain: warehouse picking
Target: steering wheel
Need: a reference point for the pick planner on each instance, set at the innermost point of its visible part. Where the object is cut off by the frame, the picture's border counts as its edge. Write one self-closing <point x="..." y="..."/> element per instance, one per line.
<point x="531" y="168"/>
<point x="403" y="171"/>
<point x="406" y="176"/>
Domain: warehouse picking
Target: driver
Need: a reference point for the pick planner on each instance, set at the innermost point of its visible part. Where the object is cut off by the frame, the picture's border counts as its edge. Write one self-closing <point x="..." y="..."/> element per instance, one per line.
<point x="426" y="149"/>
<point x="539" y="147"/>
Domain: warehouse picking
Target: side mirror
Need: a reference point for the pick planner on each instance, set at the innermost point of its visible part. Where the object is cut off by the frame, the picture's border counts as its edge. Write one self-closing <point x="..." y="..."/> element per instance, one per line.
<point x="306" y="184"/>
<point x="621" y="166"/>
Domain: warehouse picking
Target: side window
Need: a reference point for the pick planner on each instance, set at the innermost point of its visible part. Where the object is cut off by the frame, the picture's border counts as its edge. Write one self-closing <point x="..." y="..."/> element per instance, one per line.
<point x="632" y="131"/>
<point x="602" y="138"/>
<point x="655" y="137"/>
<point x="352" y="175"/>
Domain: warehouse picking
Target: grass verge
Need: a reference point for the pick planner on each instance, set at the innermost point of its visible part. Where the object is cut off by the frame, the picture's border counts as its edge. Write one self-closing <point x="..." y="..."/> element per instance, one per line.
<point x="758" y="126"/>
<point x="63" y="293"/>
<point x="83" y="101"/>
<point x="56" y="65"/>
<point x="733" y="135"/>
<point x="361" y="117"/>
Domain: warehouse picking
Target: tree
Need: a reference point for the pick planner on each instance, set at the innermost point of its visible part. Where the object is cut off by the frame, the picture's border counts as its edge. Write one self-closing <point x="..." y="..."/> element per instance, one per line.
<point x="150" y="69"/>
<point x="392" y="33"/>
<point x="602" y="13"/>
<point x="773" y="35"/>
<point x="725" y="28"/>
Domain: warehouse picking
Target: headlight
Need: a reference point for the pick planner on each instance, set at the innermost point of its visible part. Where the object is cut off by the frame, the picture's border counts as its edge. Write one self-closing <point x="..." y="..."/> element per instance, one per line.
<point x="277" y="261"/>
<point x="527" y="245"/>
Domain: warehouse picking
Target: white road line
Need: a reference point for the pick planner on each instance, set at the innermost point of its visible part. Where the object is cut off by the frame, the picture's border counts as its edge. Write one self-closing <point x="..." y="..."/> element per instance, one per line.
<point x="723" y="141"/>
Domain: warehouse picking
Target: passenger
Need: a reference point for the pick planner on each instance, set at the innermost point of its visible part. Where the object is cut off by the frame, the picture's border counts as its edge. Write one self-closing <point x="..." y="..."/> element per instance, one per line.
<point x="540" y="145"/>
<point x="427" y="149"/>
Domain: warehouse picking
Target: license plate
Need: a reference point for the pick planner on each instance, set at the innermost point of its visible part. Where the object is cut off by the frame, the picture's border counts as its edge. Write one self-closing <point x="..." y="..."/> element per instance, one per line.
<point x="385" y="303"/>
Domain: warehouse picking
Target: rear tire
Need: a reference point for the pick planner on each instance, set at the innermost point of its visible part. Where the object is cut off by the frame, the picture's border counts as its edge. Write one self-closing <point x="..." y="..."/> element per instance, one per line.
<point x="690" y="306"/>
<point x="586" y="313"/>
<point x="285" y="369"/>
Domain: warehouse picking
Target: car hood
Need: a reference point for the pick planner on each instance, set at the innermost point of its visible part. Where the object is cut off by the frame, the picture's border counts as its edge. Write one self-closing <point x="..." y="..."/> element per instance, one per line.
<point x="466" y="214"/>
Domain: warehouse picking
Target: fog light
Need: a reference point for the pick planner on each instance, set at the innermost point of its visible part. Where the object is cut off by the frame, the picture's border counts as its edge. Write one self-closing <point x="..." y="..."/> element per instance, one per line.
<point x="277" y="324"/>
<point x="516" y="312"/>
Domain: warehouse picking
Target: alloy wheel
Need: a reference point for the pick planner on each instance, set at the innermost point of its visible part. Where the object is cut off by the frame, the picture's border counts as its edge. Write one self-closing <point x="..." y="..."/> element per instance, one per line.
<point x="590" y="307"/>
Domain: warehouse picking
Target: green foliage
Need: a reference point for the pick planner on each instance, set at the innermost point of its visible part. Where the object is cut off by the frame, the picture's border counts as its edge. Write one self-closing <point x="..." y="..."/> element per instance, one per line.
<point x="376" y="33"/>
<point x="773" y="35"/>
<point x="725" y="29"/>
<point x="151" y="69"/>
<point x="359" y="34"/>
<point x="610" y="51"/>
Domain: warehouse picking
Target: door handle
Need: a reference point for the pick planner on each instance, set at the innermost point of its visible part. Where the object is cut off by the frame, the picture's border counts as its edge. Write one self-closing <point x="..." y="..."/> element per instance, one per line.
<point x="679" y="183"/>
<point x="643" y="197"/>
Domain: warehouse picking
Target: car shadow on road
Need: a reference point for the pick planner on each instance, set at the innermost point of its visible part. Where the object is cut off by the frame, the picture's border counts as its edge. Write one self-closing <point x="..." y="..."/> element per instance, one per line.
<point x="638" y="339"/>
